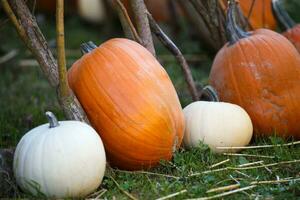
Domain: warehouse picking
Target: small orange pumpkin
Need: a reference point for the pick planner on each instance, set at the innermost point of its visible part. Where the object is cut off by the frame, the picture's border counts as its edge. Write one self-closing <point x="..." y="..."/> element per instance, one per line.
<point x="260" y="16"/>
<point x="260" y="71"/>
<point x="130" y="101"/>
<point x="291" y="29"/>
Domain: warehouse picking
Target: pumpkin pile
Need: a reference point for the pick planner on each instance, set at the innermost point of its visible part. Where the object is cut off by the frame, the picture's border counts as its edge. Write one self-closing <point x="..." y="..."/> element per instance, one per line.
<point x="133" y="106"/>
<point x="260" y="71"/>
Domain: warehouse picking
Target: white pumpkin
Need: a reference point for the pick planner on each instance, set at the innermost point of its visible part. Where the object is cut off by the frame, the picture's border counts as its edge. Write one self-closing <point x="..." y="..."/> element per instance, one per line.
<point x="92" y="10"/>
<point x="63" y="159"/>
<point x="216" y="124"/>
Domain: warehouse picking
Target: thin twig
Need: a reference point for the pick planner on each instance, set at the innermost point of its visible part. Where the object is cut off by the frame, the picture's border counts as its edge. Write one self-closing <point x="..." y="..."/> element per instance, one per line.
<point x="37" y="44"/>
<point x="66" y="98"/>
<point x="262" y="146"/>
<point x="219" y="163"/>
<point x="126" y="22"/>
<point x="63" y="86"/>
<point x="10" y="55"/>
<point x="172" y="195"/>
<point x="234" y="186"/>
<point x="101" y="194"/>
<point x="122" y="190"/>
<point x="168" y="43"/>
<point x="274" y="181"/>
<point x="14" y="20"/>
<point x="248" y="155"/>
<point x="35" y="41"/>
<point x="251" y="163"/>
<point x="148" y="173"/>
<point x="223" y="188"/>
<point x="226" y="193"/>
<point x="270" y="171"/>
<point x="141" y="20"/>
<point x="208" y="172"/>
<point x="243" y="168"/>
<point x="263" y="166"/>
<point x="243" y="174"/>
<point x="95" y="193"/>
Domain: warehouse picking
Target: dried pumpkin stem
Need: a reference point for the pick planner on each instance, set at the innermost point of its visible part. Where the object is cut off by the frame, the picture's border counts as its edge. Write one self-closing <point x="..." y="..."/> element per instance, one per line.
<point x="52" y="119"/>
<point x="233" y="31"/>
<point x="168" y="43"/>
<point x="141" y="20"/>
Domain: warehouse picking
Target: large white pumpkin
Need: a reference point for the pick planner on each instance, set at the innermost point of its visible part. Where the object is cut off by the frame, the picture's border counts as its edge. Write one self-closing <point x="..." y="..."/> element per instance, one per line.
<point x="216" y="124"/>
<point x="63" y="159"/>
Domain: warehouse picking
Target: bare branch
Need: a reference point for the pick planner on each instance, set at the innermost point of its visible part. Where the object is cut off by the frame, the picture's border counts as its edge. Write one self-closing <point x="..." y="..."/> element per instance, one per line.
<point x="127" y="25"/>
<point x="167" y="42"/>
<point x="140" y="13"/>
<point x="70" y="105"/>
<point x="36" y="41"/>
<point x="63" y="87"/>
<point x="15" y="22"/>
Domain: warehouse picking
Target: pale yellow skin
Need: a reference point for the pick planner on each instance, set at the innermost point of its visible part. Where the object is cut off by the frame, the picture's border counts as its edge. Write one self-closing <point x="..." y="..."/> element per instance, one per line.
<point x="216" y="124"/>
<point x="65" y="161"/>
<point x="92" y="10"/>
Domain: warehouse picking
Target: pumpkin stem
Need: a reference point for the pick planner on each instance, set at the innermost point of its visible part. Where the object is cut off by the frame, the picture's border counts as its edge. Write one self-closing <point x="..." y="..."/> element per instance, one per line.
<point x="87" y="47"/>
<point x="233" y="31"/>
<point x="52" y="119"/>
<point x="284" y="19"/>
<point x="209" y="94"/>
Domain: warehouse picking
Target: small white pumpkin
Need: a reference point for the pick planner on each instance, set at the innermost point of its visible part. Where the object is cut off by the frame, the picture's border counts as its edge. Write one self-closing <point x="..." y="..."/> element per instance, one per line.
<point x="63" y="159"/>
<point x="216" y="124"/>
<point x="92" y="11"/>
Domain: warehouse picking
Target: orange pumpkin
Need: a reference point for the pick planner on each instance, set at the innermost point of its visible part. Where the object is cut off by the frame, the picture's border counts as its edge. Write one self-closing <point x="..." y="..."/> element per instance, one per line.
<point x="291" y="29"/>
<point x="261" y="15"/>
<point x="130" y="101"/>
<point x="260" y="71"/>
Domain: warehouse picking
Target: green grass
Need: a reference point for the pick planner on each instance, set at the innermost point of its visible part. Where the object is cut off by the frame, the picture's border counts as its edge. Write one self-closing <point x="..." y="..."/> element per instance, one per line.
<point x="25" y="95"/>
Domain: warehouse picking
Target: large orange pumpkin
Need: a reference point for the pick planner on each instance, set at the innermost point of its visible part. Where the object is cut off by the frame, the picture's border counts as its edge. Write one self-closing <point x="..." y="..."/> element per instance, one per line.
<point x="130" y="101"/>
<point x="291" y="29"/>
<point x="260" y="16"/>
<point x="260" y="71"/>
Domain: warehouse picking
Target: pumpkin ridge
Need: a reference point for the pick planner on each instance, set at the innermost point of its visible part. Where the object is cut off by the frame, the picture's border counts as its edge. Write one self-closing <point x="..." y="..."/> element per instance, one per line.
<point x="116" y="124"/>
<point x="161" y="98"/>
<point x="44" y="160"/>
<point x="174" y="115"/>
<point x="269" y="101"/>
<point x="26" y="157"/>
<point x="245" y="56"/>
<point x="142" y="97"/>
<point x="232" y="77"/>
<point x="288" y="97"/>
